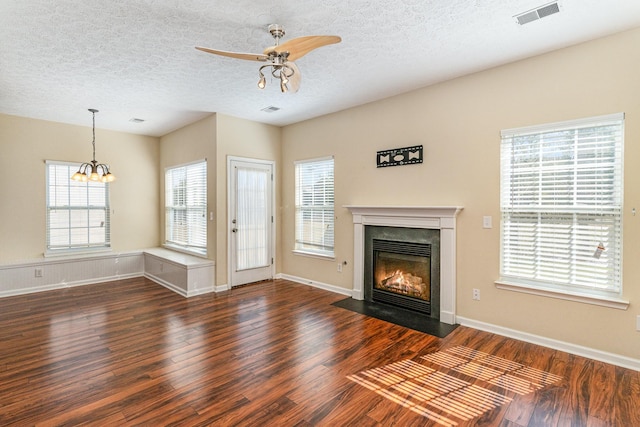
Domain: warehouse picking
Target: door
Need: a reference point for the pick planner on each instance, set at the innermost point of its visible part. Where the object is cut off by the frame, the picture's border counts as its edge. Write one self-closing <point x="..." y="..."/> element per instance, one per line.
<point x="250" y="220"/>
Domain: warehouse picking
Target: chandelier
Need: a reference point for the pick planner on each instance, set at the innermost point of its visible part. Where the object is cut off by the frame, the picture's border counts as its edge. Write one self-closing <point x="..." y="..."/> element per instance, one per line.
<point x="93" y="171"/>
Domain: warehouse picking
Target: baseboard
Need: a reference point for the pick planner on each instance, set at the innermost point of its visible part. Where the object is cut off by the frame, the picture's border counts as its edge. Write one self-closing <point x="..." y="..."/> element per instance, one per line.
<point x="602" y="356"/>
<point x="221" y="288"/>
<point x="315" y="284"/>
<point x="65" y="285"/>
<point x="166" y="284"/>
<point x="447" y="317"/>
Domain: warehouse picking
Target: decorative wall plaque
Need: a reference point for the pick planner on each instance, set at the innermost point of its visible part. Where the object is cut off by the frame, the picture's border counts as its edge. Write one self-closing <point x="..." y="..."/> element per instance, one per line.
<point x="399" y="156"/>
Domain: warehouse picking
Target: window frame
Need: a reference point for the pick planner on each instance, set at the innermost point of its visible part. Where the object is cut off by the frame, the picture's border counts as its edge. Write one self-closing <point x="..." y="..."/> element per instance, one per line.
<point x="609" y="292"/>
<point x="306" y="246"/>
<point x="189" y="245"/>
<point x="83" y="248"/>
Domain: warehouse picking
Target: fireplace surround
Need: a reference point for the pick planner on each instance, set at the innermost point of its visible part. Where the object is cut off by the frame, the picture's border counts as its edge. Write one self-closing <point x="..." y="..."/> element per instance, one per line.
<point x="439" y="218"/>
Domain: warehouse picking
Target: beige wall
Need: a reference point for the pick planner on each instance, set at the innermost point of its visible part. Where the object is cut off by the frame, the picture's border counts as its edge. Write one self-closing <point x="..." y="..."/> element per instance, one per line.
<point x="243" y="138"/>
<point x="215" y="138"/>
<point x="459" y="123"/>
<point x="189" y="144"/>
<point x="25" y="144"/>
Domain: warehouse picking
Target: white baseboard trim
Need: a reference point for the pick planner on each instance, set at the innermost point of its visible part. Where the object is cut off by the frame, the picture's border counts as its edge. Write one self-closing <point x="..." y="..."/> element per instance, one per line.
<point x="65" y="285"/>
<point x="177" y="289"/>
<point x="221" y="288"/>
<point x="319" y="285"/>
<point x="602" y="356"/>
<point x="447" y="317"/>
<point x="166" y="284"/>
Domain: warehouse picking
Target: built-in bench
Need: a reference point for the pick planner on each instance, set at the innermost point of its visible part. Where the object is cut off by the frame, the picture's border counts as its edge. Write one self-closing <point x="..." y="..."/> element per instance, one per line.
<point x="185" y="274"/>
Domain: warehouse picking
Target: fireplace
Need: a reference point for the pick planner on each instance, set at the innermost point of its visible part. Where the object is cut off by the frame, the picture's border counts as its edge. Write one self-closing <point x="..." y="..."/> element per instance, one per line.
<point x="402" y="268"/>
<point x="402" y="274"/>
<point x="438" y="219"/>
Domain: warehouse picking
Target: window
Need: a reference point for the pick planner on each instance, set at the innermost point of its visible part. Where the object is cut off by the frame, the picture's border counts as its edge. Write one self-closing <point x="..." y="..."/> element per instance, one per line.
<point x="186" y="207"/>
<point x="77" y="212"/>
<point x="314" y="207"/>
<point x="561" y="203"/>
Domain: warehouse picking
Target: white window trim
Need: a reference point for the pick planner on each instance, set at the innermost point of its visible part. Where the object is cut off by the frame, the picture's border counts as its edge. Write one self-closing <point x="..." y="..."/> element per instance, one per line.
<point x="604" y="298"/>
<point x="601" y="300"/>
<point x="313" y="254"/>
<point x="309" y="253"/>
<point x="176" y="247"/>
<point x="71" y="252"/>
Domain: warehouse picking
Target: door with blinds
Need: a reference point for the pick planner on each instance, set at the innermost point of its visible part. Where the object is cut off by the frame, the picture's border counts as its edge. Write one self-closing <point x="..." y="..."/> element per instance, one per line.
<point x="250" y="220"/>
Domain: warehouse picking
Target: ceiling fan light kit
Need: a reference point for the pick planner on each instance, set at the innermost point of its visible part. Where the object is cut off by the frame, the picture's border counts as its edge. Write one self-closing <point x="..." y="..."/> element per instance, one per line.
<point x="280" y="57"/>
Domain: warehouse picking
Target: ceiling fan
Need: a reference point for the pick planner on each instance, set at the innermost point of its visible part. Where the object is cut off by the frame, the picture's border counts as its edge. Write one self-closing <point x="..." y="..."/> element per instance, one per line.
<point x="280" y="57"/>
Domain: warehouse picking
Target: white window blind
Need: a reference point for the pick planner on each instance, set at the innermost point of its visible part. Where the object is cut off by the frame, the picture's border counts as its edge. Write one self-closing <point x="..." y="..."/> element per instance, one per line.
<point x="561" y="203"/>
<point x="314" y="206"/>
<point x="186" y="207"/>
<point x="78" y="213"/>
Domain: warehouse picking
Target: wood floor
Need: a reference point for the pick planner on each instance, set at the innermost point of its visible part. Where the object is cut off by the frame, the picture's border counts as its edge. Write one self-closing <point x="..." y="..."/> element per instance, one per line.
<point x="278" y="354"/>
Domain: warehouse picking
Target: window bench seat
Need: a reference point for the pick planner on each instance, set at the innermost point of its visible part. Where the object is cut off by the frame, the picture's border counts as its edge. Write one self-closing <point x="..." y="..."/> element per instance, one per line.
<point x="185" y="274"/>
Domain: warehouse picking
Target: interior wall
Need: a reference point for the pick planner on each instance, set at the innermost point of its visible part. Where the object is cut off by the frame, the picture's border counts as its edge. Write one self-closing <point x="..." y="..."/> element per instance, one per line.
<point x="243" y="138"/>
<point x="191" y="143"/>
<point x="26" y="143"/>
<point x="458" y="123"/>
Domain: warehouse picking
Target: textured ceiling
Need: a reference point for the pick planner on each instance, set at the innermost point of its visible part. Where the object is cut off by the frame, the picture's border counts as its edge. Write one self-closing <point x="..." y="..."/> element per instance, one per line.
<point x="136" y="58"/>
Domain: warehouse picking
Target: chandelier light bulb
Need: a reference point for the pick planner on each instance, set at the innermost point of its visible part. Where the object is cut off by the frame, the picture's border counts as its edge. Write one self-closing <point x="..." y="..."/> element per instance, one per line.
<point x="262" y="82"/>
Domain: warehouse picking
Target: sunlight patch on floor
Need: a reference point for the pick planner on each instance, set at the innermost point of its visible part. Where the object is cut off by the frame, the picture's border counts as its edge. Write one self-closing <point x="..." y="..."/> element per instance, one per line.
<point x="456" y="385"/>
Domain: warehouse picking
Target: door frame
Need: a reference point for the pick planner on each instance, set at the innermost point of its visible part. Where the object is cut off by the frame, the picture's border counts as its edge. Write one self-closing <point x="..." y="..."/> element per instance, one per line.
<point x="229" y="226"/>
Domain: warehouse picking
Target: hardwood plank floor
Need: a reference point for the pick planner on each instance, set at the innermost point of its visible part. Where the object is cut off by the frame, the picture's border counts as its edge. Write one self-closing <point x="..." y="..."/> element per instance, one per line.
<point x="278" y="353"/>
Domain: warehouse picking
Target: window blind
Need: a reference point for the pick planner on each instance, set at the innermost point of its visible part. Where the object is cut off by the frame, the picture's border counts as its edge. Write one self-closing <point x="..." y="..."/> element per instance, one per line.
<point x="186" y="207"/>
<point x="314" y="204"/>
<point x="561" y="203"/>
<point x="78" y="213"/>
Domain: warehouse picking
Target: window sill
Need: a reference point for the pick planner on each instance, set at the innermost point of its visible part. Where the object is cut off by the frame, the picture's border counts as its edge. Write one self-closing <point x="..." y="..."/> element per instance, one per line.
<point x="314" y="255"/>
<point x="79" y="253"/>
<point x="603" y="301"/>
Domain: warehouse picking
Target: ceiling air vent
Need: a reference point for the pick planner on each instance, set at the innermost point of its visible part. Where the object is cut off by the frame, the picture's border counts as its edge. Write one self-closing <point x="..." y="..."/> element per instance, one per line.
<point x="537" y="13"/>
<point x="270" y="109"/>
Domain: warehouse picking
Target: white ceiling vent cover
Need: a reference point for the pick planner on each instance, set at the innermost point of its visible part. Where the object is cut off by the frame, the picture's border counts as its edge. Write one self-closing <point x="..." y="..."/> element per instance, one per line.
<point x="538" y="13"/>
<point x="270" y="109"/>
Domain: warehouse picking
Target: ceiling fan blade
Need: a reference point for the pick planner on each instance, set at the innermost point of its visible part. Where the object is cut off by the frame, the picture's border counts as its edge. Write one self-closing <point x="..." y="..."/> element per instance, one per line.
<point x="295" y="79"/>
<point x="248" y="56"/>
<point x="300" y="46"/>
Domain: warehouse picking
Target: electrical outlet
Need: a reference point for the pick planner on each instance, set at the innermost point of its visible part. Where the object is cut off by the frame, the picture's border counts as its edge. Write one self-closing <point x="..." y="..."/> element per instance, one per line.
<point x="476" y="294"/>
<point x="37" y="272"/>
<point x="339" y="267"/>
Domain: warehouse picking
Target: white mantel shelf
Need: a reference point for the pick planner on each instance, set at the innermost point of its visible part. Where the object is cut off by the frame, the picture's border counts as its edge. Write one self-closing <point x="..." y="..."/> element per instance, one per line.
<point x="441" y="218"/>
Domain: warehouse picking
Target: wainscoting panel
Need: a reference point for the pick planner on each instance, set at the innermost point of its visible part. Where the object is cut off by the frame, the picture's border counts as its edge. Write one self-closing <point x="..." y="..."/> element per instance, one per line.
<point x="55" y="273"/>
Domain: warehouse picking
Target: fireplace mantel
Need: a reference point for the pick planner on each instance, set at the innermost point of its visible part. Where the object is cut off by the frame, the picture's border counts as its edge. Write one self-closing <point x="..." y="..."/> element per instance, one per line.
<point x="441" y="218"/>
